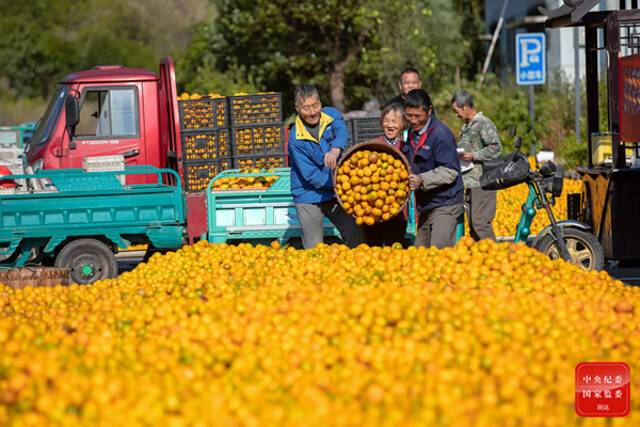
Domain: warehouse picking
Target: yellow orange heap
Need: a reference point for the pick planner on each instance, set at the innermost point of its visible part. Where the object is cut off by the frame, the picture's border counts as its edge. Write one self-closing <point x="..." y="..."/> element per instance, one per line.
<point x="510" y="201"/>
<point x="372" y="186"/>
<point x="185" y="96"/>
<point x="261" y="182"/>
<point x="481" y="334"/>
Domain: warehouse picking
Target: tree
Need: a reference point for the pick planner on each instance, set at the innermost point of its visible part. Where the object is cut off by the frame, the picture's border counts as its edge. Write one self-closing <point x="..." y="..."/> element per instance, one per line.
<point x="430" y="42"/>
<point x="351" y="49"/>
<point x="279" y="41"/>
<point x="472" y="13"/>
<point x="44" y="40"/>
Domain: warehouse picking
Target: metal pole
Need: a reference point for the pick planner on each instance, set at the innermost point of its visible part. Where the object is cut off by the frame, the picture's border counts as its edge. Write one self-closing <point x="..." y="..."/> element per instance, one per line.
<point x="532" y="118"/>
<point x="576" y="81"/>
<point x="494" y="40"/>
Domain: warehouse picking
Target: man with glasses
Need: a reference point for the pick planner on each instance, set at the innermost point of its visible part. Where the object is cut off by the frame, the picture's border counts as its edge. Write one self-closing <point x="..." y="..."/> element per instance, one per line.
<point x="315" y="142"/>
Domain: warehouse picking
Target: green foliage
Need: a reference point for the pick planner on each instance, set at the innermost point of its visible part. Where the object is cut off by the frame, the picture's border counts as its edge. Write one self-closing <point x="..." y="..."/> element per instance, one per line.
<point x="352" y="50"/>
<point x="196" y="69"/>
<point x="277" y="42"/>
<point x="471" y="13"/>
<point x="507" y="104"/>
<point x="44" y="40"/>
<point x="22" y="110"/>
<point x="408" y="34"/>
<point x="208" y="80"/>
<point x="573" y="153"/>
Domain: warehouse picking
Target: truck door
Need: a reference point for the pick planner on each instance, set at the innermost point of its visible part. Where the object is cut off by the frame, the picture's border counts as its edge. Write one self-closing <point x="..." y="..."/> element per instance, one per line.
<point x="109" y="125"/>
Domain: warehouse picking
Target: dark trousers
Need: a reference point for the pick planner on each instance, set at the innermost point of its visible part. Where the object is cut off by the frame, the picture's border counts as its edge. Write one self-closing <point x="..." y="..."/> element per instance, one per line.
<point x="386" y="233"/>
<point x="482" y="211"/>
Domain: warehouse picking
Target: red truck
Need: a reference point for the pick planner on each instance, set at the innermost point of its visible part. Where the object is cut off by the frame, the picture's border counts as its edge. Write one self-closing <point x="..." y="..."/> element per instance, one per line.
<point x="121" y="111"/>
<point x="116" y="111"/>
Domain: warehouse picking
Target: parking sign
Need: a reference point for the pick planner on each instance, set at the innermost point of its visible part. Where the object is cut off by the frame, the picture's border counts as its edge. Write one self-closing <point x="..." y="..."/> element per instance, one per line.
<point x="531" y="59"/>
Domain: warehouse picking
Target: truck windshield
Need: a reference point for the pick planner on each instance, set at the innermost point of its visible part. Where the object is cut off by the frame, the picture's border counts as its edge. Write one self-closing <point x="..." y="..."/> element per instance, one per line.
<point x="48" y="121"/>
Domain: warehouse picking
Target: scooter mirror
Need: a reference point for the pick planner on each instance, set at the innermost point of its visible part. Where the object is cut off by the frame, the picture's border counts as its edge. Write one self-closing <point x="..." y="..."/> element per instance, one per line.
<point x="511" y="130"/>
<point x="547" y="169"/>
<point x="517" y="143"/>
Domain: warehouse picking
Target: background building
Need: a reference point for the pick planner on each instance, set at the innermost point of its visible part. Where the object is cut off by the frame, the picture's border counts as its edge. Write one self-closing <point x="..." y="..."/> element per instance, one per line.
<point x="523" y="16"/>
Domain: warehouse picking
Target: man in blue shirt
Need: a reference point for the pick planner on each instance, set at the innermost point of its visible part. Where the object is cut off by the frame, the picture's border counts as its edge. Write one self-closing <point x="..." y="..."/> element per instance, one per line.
<point x="315" y="142"/>
<point x="435" y="172"/>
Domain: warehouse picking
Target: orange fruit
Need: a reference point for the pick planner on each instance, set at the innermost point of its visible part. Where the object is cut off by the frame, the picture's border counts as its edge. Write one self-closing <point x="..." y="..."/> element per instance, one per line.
<point x="366" y="183"/>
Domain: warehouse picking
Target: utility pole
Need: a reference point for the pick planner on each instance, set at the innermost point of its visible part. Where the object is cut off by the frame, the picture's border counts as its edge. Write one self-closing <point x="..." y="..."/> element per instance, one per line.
<point x="494" y="40"/>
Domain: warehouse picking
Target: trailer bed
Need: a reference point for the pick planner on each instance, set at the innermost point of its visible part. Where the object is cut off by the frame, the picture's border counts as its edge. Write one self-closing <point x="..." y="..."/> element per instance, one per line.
<point x="90" y="204"/>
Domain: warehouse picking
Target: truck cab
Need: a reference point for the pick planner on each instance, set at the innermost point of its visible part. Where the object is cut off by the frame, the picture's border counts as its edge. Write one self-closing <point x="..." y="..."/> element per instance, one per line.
<point x="119" y="111"/>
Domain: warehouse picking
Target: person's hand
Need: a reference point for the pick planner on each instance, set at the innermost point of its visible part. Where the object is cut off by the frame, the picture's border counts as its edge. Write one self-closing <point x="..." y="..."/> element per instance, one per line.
<point x="331" y="158"/>
<point x="415" y="181"/>
<point x="467" y="157"/>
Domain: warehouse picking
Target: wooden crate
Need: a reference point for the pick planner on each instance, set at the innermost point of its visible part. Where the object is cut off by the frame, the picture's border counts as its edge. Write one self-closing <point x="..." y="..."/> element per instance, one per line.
<point x="19" y="278"/>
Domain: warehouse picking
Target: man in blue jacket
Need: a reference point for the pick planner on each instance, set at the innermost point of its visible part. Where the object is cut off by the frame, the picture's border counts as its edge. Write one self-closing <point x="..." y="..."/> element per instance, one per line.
<point x="435" y="172"/>
<point x="316" y="140"/>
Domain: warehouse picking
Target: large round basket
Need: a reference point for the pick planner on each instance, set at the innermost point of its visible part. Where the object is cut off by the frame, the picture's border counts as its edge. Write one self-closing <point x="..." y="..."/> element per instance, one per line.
<point x="378" y="146"/>
<point x="18" y="278"/>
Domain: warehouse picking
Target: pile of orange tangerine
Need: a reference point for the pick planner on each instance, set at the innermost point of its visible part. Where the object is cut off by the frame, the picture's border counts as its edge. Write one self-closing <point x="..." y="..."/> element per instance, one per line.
<point x="372" y="186"/>
<point x="259" y="182"/>
<point x="481" y="334"/>
<point x="509" y="207"/>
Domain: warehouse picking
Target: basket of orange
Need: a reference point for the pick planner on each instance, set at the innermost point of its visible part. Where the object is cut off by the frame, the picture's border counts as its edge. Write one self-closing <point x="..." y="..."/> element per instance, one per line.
<point x="371" y="182"/>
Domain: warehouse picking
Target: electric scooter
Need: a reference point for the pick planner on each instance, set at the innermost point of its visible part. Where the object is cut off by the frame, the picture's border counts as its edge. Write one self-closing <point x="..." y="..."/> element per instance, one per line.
<point x="568" y="240"/>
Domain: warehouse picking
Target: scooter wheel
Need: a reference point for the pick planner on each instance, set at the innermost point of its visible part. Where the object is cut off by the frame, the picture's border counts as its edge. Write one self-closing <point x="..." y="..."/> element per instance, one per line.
<point x="585" y="250"/>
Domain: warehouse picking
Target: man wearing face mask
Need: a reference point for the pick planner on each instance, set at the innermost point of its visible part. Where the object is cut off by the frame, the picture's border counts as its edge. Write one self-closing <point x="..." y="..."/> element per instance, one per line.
<point x="315" y="142"/>
<point x="435" y="172"/>
<point x="409" y="80"/>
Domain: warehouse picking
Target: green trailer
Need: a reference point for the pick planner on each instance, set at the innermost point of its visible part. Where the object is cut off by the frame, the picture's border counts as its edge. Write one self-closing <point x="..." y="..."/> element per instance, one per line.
<point x="80" y="219"/>
<point x="262" y="215"/>
<point x="255" y="215"/>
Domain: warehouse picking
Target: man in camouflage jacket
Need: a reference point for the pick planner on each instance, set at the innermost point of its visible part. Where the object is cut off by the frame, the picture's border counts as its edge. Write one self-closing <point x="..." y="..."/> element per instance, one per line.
<point x="481" y="142"/>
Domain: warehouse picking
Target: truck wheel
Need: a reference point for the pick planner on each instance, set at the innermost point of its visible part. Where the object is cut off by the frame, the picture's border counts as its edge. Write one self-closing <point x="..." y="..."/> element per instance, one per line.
<point x="585" y="250"/>
<point x="88" y="260"/>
